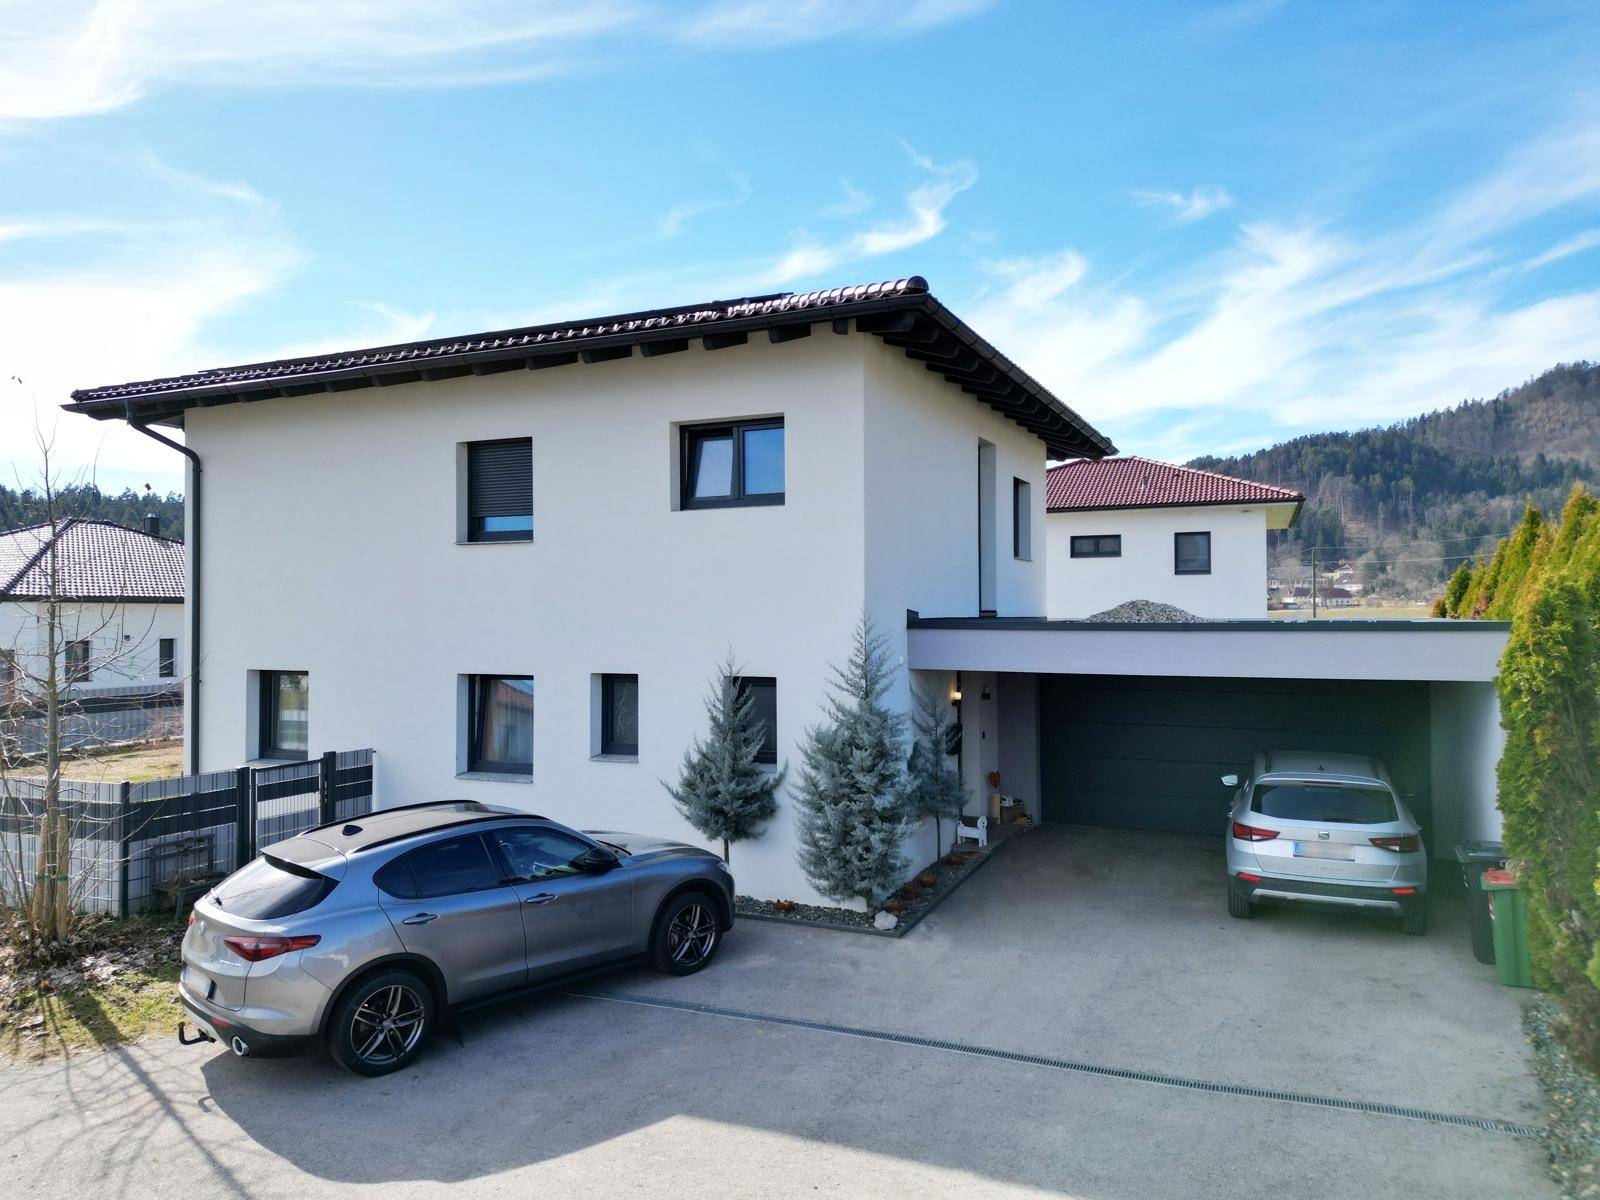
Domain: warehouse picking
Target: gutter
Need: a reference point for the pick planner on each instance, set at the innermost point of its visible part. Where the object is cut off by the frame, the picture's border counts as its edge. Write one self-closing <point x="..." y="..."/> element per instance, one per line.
<point x="191" y="504"/>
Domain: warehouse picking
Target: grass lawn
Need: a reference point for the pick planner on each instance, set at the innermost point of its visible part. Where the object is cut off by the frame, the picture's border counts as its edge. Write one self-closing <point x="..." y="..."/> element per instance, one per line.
<point x="122" y="987"/>
<point x="136" y="764"/>
<point x="1361" y="612"/>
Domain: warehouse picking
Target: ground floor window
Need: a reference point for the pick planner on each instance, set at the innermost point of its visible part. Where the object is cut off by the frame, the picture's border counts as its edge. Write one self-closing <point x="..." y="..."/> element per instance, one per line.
<point x="285" y="714"/>
<point x="765" y="691"/>
<point x="166" y="657"/>
<point x="1191" y="554"/>
<point x="500" y="724"/>
<point x="619" y="714"/>
<point x="78" y="668"/>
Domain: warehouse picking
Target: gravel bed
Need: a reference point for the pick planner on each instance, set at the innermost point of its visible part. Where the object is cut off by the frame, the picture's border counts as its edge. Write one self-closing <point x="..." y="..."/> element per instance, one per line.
<point x="1572" y="1131"/>
<point x="827" y="917"/>
<point x="1147" y="612"/>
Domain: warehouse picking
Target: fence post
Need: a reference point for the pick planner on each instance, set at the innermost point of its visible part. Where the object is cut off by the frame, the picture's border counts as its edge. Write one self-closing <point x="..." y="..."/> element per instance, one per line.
<point x="244" y="817"/>
<point x="326" y="780"/>
<point x="123" y="805"/>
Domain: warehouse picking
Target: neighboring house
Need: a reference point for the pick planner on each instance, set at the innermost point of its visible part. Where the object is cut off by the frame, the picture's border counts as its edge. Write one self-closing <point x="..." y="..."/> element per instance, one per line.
<point x="511" y="562"/>
<point x="1120" y="529"/>
<point x="121" y="616"/>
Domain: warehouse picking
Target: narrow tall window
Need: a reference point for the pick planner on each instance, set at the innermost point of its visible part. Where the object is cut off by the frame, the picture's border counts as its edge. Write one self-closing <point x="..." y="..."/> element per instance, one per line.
<point x="166" y="657"/>
<point x="728" y="465"/>
<point x="1191" y="553"/>
<point x="1021" y="519"/>
<point x="619" y="714"/>
<point x="500" y="724"/>
<point x="285" y="714"/>
<point x="500" y="490"/>
<point x="987" y="522"/>
<point x="765" y="691"/>
<point x="8" y="678"/>
<point x="78" y="655"/>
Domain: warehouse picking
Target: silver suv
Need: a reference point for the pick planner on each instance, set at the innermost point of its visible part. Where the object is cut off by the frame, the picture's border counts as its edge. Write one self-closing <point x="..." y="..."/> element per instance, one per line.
<point x="359" y="934"/>
<point x="1325" y="829"/>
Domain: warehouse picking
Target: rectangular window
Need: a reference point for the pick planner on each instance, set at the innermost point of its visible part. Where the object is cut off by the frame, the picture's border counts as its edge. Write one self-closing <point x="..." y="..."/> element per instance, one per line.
<point x="8" y="677"/>
<point x="500" y="724"/>
<point x="619" y="714"/>
<point x="1097" y="545"/>
<point x="736" y="464"/>
<point x="78" y="655"/>
<point x="166" y="657"/>
<point x="1191" y="553"/>
<point x="285" y="714"/>
<point x="1021" y="519"/>
<point x="500" y="490"/>
<point x="765" y="692"/>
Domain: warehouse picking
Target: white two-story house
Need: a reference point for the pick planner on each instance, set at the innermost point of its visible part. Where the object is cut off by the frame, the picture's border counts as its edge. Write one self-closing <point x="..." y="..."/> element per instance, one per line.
<point x="1131" y="528"/>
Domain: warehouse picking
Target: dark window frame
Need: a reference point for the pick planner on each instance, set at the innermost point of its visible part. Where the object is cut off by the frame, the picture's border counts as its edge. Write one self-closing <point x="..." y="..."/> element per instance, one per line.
<point x="267" y="746"/>
<point x="78" y="664"/>
<point x="477" y="687"/>
<point x="1021" y="518"/>
<point x="768" y="755"/>
<point x="1177" y="555"/>
<point x="608" y="737"/>
<point x="690" y="436"/>
<point x="475" y="518"/>
<point x="167" y="657"/>
<point x="1097" y="550"/>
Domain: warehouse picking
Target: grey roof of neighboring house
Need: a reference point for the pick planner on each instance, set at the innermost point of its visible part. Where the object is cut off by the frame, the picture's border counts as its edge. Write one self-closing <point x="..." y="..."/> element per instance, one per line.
<point x="902" y="312"/>
<point x="93" y="560"/>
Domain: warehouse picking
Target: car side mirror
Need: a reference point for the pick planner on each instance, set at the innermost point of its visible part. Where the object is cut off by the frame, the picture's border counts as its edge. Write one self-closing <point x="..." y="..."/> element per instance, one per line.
<point x="1230" y="781"/>
<point x="595" y="860"/>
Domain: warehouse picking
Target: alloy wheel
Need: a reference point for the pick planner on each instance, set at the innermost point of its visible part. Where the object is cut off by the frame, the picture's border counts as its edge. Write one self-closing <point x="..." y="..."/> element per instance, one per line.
<point x="692" y="935"/>
<point x="387" y="1025"/>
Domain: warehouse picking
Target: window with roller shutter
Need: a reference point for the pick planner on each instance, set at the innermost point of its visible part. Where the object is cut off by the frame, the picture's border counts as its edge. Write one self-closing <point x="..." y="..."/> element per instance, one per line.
<point x="500" y="490"/>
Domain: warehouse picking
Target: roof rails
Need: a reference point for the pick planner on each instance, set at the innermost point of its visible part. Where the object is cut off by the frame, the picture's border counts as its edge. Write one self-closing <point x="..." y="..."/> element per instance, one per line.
<point x="475" y="804"/>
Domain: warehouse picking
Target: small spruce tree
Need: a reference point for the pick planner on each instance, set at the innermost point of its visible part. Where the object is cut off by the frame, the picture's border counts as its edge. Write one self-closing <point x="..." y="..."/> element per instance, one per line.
<point x="722" y="790"/>
<point x="932" y="786"/>
<point x="852" y="821"/>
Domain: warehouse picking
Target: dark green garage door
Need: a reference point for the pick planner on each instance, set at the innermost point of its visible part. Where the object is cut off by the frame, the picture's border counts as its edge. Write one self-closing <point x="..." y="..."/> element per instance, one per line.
<point x="1146" y="752"/>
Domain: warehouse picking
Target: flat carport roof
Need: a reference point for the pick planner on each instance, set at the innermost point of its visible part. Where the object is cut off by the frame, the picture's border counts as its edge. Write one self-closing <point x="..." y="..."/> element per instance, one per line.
<point x="1333" y="648"/>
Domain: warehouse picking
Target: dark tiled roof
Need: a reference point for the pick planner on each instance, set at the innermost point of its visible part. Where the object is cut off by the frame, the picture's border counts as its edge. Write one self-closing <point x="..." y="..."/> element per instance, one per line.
<point x="1134" y="482"/>
<point x="902" y="312"/>
<point x="94" y="560"/>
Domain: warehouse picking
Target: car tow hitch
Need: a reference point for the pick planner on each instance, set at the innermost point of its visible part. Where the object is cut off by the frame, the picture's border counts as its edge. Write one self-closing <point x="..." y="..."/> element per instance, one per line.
<point x="200" y="1035"/>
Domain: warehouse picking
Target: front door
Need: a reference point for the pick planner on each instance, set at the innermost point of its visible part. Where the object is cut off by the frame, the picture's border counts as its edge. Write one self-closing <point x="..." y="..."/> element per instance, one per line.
<point x="571" y="918"/>
<point x="448" y="902"/>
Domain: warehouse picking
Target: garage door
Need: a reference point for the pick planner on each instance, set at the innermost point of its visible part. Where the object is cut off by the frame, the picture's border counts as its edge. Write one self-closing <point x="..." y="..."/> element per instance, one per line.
<point x="1146" y="752"/>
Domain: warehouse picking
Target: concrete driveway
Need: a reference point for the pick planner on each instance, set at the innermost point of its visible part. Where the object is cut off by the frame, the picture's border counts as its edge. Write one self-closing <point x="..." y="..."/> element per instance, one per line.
<point x="1099" y="948"/>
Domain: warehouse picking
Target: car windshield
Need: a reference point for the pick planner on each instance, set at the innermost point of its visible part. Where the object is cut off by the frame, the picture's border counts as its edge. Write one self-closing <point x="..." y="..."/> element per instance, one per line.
<point x="1330" y="803"/>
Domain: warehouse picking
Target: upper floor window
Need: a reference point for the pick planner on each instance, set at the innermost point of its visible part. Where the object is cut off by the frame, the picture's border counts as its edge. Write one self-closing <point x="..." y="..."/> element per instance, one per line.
<point x="166" y="657"/>
<point x="1191" y="553"/>
<point x="1021" y="519"/>
<point x="500" y="724"/>
<point x="733" y="464"/>
<point x="78" y="666"/>
<point x="1097" y="545"/>
<point x="500" y="490"/>
<point x="285" y="714"/>
<point x="765" y="692"/>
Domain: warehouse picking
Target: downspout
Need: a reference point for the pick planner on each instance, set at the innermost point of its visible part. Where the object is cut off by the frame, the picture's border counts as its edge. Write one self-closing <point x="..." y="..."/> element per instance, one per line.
<point x="191" y="503"/>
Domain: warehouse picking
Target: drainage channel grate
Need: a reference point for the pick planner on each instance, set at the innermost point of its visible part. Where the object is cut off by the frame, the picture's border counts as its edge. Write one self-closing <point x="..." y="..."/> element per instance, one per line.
<point x="1489" y="1124"/>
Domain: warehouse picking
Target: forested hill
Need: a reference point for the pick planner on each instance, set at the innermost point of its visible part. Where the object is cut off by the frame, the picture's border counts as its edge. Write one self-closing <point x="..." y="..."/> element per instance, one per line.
<point x="26" y="507"/>
<point x="1435" y="486"/>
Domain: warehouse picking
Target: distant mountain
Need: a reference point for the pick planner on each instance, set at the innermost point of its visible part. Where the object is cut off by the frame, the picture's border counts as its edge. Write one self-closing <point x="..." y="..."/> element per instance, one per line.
<point x="1414" y="499"/>
<point x="26" y="507"/>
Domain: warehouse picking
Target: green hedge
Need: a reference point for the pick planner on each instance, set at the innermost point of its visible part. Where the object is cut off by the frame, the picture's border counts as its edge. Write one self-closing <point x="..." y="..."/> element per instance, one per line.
<point x="1545" y="579"/>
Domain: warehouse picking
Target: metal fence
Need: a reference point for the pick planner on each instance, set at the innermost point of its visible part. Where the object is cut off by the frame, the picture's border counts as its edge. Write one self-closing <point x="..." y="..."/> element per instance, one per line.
<point x="137" y="713"/>
<point x="137" y="846"/>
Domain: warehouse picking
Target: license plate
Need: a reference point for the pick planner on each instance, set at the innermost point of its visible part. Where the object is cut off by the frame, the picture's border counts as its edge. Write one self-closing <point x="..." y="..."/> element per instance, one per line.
<point x="1325" y="850"/>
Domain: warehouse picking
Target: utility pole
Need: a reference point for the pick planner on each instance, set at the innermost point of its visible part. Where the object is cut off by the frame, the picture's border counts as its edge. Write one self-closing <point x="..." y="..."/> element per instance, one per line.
<point x="1313" y="583"/>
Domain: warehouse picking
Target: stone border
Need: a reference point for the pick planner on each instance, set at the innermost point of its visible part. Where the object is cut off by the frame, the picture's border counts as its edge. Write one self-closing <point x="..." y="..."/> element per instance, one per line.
<point x="907" y="924"/>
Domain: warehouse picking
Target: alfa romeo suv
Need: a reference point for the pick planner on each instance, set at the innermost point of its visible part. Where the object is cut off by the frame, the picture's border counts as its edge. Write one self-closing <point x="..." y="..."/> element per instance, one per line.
<point x="358" y="935"/>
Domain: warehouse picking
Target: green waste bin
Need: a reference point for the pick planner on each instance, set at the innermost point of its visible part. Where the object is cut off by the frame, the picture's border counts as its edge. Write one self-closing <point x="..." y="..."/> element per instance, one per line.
<point x="1476" y="858"/>
<point x="1510" y="913"/>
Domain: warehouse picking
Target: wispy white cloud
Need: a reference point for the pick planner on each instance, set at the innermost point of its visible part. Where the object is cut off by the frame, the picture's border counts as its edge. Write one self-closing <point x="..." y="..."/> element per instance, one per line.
<point x="1186" y="206"/>
<point x="782" y="22"/>
<point x="1577" y="244"/>
<point x="853" y="203"/>
<point x="679" y="215"/>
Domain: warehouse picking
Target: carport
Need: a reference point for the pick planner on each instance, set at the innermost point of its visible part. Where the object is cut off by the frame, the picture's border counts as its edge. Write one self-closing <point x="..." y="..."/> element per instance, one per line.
<point x="1129" y="726"/>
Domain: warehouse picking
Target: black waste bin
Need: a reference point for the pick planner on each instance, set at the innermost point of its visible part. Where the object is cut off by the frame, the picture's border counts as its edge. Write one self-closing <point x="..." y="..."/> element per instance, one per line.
<point x="1476" y="858"/>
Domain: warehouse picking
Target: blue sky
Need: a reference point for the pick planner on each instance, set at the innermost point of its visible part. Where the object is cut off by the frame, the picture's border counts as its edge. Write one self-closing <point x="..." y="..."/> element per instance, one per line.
<point x="1206" y="227"/>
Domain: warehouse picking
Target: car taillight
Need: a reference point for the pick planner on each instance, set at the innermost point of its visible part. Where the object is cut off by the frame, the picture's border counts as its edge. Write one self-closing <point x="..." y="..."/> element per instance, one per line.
<point x="1252" y="833"/>
<point x="255" y="949"/>
<point x="1400" y="845"/>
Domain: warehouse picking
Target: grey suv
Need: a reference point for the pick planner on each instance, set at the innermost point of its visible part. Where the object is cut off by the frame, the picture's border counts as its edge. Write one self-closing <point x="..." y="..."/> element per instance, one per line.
<point x="359" y="934"/>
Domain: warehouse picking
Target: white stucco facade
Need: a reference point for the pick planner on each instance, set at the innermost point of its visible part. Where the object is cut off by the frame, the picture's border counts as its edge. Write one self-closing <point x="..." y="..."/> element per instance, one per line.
<point x="330" y="547"/>
<point x="1235" y="587"/>
<point x="124" y="640"/>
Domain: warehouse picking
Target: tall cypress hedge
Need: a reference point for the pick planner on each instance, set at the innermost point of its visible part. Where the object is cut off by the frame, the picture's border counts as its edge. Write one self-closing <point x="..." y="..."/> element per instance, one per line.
<point x="1546" y="580"/>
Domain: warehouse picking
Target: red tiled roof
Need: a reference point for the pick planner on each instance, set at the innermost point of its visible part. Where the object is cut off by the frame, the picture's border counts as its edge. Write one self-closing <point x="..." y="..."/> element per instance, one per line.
<point x="94" y="560"/>
<point x="1134" y="482"/>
